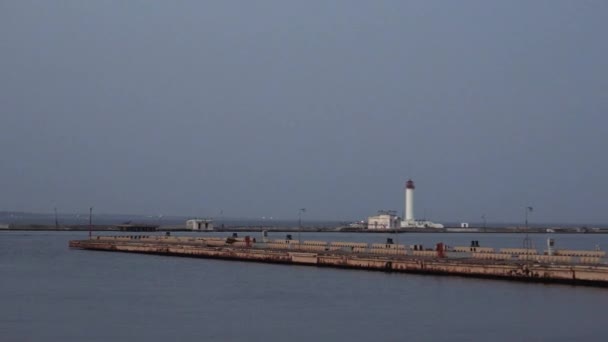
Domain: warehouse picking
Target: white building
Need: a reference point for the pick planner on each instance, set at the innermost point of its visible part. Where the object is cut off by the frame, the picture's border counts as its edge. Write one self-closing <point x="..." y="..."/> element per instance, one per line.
<point x="199" y="224"/>
<point x="384" y="220"/>
<point x="420" y="224"/>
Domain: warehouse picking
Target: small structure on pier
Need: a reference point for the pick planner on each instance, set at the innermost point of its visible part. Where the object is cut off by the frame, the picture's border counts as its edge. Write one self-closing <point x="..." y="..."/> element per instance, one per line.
<point x="199" y="224"/>
<point x="385" y="219"/>
<point x="134" y="227"/>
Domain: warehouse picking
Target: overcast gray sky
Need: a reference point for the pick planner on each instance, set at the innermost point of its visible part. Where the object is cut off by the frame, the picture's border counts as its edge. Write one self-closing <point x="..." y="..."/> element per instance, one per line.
<point x="259" y="108"/>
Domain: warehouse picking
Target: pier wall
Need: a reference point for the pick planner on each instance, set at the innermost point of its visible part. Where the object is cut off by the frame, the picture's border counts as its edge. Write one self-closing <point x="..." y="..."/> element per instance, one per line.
<point x="522" y="270"/>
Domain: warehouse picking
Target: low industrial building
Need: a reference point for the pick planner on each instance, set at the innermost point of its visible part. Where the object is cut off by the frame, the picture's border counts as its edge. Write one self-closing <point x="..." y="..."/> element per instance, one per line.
<point x="385" y="219"/>
<point x="420" y="224"/>
<point x="133" y="227"/>
<point x="199" y="224"/>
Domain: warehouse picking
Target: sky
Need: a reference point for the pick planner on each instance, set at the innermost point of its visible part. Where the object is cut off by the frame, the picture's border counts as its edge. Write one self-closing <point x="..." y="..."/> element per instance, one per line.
<point x="260" y="108"/>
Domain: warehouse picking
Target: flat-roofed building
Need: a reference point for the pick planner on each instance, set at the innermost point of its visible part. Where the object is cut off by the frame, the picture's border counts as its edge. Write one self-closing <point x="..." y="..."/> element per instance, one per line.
<point x="385" y="219"/>
<point x="199" y="224"/>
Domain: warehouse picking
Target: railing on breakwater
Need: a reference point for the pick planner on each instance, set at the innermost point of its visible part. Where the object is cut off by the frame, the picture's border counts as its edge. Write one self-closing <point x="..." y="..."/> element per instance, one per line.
<point x="387" y="249"/>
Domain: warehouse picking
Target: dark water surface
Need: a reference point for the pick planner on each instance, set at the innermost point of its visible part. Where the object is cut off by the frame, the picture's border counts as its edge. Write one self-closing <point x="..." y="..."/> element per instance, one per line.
<point x="51" y="293"/>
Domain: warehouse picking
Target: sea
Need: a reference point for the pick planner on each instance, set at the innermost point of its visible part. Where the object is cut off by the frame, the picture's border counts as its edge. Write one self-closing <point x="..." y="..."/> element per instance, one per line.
<point x="49" y="292"/>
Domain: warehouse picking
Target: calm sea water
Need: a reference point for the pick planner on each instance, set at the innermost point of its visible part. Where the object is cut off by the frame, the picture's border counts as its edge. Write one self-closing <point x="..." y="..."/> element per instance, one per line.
<point x="51" y="293"/>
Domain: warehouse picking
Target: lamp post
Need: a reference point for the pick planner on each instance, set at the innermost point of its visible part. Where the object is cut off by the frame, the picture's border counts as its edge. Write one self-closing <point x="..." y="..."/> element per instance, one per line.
<point x="302" y="210"/>
<point x="90" y="222"/>
<point x="527" y="242"/>
<point x="483" y="217"/>
<point x="528" y="210"/>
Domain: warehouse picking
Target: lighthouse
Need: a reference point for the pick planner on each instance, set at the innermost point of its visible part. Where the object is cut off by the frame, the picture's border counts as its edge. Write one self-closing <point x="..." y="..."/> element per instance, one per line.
<point x="409" y="201"/>
<point x="381" y="221"/>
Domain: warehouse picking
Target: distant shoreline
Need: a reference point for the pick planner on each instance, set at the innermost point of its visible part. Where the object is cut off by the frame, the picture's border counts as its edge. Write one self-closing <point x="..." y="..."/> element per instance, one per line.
<point x="335" y="229"/>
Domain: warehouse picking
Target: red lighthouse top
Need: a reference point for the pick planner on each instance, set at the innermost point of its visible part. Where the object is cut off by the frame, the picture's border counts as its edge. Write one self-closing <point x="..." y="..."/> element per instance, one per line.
<point x="409" y="184"/>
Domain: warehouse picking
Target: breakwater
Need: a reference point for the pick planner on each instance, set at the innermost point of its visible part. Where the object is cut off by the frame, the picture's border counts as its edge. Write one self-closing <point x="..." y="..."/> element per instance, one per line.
<point x="566" y="266"/>
<point x="294" y="229"/>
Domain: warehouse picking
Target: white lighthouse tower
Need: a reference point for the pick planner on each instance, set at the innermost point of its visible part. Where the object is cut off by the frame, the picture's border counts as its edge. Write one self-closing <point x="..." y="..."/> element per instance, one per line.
<point x="409" y="202"/>
<point x="409" y="220"/>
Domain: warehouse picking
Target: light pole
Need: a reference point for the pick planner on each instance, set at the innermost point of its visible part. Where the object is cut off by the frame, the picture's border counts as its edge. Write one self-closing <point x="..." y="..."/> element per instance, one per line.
<point x="483" y="217"/>
<point x="302" y="210"/>
<point x="90" y="222"/>
<point x="528" y="210"/>
<point x="527" y="242"/>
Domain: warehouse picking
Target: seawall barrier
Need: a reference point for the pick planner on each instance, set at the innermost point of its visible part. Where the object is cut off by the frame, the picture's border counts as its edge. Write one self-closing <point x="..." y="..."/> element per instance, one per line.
<point x="530" y="268"/>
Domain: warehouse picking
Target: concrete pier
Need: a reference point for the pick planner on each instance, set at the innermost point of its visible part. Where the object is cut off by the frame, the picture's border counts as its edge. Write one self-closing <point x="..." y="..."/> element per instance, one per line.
<point x="578" y="268"/>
